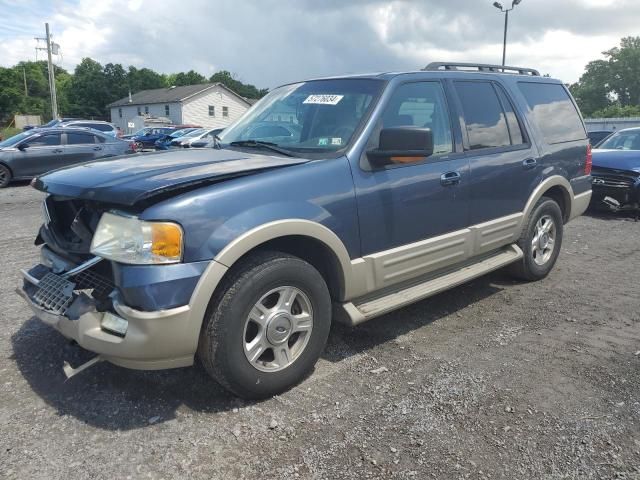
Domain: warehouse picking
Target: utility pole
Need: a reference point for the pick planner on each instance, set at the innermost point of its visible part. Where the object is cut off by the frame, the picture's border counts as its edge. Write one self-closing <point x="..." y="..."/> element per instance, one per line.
<point x="24" y="77"/>
<point x="52" y="79"/>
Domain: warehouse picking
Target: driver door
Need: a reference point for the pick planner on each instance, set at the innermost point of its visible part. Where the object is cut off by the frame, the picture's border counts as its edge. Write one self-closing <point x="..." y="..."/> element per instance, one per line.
<point x="41" y="154"/>
<point x="413" y="216"/>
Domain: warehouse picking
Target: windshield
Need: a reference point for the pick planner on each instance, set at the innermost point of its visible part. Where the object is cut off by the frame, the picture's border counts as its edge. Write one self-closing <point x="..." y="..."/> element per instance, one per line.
<point x="316" y="116"/>
<point x="51" y="123"/>
<point x="11" y="141"/>
<point x="194" y="133"/>
<point x="629" y="140"/>
<point x="142" y="132"/>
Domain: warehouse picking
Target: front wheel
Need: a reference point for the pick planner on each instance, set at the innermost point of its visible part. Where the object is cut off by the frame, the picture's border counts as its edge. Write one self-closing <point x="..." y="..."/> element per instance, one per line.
<point x="5" y="176"/>
<point x="540" y="241"/>
<point x="267" y="326"/>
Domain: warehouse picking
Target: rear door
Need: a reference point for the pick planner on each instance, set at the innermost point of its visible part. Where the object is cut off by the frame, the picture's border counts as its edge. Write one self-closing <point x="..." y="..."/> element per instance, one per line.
<point x="81" y="147"/>
<point x="42" y="153"/>
<point x="504" y="164"/>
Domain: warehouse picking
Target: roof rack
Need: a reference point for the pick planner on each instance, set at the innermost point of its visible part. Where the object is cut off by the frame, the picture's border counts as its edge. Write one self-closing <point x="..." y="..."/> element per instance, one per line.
<point x="481" y="67"/>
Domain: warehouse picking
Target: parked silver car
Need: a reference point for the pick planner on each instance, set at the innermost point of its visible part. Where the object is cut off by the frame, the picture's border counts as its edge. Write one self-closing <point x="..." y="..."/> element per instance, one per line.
<point x="37" y="151"/>
<point x="104" y="127"/>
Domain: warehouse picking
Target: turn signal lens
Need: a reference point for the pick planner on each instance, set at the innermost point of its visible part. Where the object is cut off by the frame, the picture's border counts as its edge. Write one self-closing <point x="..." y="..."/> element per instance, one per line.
<point x="166" y="240"/>
<point x="588" y="161"/>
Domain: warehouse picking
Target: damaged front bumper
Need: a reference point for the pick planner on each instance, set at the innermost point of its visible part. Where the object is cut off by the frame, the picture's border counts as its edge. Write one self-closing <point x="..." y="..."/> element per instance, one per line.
<point x="103" y="323"/>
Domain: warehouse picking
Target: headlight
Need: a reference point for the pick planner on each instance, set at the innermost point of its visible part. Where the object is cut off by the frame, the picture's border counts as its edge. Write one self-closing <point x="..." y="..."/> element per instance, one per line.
<point x="130" y="240"/>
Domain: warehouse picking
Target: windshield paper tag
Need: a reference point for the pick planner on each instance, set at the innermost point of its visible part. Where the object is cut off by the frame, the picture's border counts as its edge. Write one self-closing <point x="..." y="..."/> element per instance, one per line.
<point x="323" y="99"/>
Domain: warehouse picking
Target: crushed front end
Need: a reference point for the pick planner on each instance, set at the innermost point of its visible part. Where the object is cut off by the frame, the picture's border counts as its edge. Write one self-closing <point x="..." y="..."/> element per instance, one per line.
<point x="615" y="189"/>
<point x="136" y="316"/>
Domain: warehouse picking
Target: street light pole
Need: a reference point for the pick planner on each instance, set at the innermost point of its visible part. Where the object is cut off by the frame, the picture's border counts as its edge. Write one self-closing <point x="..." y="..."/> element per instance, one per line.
<point x="506" y="11"/>
<point x="52" y="79"/>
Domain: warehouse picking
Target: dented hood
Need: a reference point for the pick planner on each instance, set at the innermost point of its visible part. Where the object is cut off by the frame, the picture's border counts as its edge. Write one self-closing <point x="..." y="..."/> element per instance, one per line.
<point x="134" y="178"/>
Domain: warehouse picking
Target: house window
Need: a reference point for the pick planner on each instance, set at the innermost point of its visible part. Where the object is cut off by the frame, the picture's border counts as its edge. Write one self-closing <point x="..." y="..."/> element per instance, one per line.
<point x="119" y="113"/>
<point x="139" y="111"/>
<point x="146" y="110"/>
<point x="212" y="111"/>
<point x="225" y="111"/>
<point x="166" y="110"/>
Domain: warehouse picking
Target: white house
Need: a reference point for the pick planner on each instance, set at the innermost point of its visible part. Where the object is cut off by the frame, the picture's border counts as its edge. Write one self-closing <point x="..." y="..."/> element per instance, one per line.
<point x="209" y="105"/>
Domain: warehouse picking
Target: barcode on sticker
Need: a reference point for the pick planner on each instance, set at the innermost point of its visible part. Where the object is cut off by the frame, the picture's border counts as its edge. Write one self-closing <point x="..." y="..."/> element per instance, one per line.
<point x="324" y="99"/>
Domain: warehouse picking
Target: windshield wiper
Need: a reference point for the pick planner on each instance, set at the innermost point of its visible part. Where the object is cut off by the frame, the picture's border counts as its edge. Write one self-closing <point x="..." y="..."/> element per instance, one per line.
<point x="260" y="144"/>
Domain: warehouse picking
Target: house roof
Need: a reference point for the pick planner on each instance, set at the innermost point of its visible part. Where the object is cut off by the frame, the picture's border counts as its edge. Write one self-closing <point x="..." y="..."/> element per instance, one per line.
<point x="170" y="95"/>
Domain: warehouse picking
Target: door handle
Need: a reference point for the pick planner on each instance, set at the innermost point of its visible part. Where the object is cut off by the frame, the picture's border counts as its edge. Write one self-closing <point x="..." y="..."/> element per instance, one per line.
<point x="57" y="150"/>
<point x="529" y="163"/>
<point x="97" y="148"/>
<point x="449" y="178"/>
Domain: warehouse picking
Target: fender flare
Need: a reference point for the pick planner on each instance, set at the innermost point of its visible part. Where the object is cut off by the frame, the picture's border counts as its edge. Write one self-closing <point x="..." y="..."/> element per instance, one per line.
<point x="538" y="193"/>
<point x="249" y="240"/>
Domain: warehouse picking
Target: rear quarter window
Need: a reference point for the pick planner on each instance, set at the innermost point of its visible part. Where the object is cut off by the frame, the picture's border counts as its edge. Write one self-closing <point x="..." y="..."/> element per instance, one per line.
<point x="553" y="112"/>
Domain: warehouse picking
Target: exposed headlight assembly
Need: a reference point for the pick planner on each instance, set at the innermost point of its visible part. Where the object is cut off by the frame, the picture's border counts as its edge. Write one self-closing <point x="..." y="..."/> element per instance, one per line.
<point x="127" y="239"/>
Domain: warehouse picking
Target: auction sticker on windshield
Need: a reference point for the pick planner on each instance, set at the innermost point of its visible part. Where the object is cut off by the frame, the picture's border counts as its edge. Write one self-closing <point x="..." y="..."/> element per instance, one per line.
<point x="323" y="99"/>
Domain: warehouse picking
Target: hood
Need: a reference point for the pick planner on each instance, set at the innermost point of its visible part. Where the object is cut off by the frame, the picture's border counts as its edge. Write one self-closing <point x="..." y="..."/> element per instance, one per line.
<point x="617" y="159"/>
<point x="131" y="179"/>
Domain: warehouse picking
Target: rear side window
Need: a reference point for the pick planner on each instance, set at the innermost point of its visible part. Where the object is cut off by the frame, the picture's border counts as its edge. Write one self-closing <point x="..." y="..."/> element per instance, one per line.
<point x="483" y="115"/>
<point x="553" y="112"/>
<point x="79" y="138"/>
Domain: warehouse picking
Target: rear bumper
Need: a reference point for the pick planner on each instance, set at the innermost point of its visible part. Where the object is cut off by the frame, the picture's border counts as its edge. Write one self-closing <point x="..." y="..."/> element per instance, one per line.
<point x="580" y="204"/>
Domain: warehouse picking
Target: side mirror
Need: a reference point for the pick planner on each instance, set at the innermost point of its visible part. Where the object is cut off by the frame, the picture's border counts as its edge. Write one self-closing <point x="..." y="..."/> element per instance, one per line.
<point x="402" y="145"/>
<point x="23" y="146"/>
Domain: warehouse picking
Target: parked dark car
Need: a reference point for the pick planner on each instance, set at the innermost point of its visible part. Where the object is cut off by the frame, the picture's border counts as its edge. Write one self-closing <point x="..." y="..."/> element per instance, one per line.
<point x="393" y="188"/>
<point x="597" y="136"/>
<point x="616" y="171"/>
<point x="147" y="137"/>
<point x="34" y="152"/>
<point x="163" y="143"/>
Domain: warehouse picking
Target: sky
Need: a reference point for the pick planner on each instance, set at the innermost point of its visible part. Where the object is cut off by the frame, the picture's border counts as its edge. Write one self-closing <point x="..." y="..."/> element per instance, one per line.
<point x="271" y="42"/>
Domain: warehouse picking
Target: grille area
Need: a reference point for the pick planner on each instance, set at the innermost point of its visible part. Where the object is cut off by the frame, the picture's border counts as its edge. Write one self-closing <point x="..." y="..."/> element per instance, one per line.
<point x="611" y="180"/>
<point x="54" y="293"/>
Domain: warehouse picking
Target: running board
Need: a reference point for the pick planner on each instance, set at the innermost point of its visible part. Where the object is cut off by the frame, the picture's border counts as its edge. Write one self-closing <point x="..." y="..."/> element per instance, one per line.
<point x="354" y="313"/>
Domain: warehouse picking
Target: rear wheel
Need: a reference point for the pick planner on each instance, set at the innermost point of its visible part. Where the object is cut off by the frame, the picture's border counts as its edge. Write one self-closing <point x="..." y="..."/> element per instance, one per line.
<point x="5" y="176"/>
<point x="266" y="327"/>
<point x="540" y="241"/>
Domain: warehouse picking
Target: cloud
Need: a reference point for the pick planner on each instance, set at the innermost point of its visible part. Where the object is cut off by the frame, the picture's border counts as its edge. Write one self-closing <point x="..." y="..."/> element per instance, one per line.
<point x="269" y="42"/>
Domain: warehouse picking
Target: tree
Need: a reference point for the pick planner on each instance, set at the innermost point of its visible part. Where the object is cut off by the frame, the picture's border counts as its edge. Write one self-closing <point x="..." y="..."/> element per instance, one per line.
<point x="242" y="89"/>
<point x="612" y="82"/>
<point x="144" y="79"/>
<point x="189" y="78"/>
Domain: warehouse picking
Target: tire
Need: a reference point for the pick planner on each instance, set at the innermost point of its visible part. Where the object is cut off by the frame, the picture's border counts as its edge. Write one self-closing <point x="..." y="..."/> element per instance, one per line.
<point x="248" y="325"/>
<point x="538" y="259"/>
<point x="5" y="176"/>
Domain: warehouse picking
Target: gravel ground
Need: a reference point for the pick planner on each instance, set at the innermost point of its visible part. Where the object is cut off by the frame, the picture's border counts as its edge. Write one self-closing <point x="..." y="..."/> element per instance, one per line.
<point x="494" y="379"/>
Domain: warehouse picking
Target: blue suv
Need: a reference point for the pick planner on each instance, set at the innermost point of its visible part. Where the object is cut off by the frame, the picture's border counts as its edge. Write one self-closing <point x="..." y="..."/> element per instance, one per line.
<point x="385" y="190"/>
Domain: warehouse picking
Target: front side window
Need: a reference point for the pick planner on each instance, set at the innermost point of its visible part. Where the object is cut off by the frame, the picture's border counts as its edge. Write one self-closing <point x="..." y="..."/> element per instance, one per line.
<point x="322" y="115"/>
<point x="421" y="104"/>
<point x="484" y="117"/>
<point x="48" y="140"/>
<point x="553" y="112"/>
<point x="629" y="140"/>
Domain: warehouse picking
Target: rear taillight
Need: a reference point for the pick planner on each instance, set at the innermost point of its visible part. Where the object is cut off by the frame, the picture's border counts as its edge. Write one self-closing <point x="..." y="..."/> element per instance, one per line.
<point x="588" y="161"/>
<point x="132" y="147"/>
